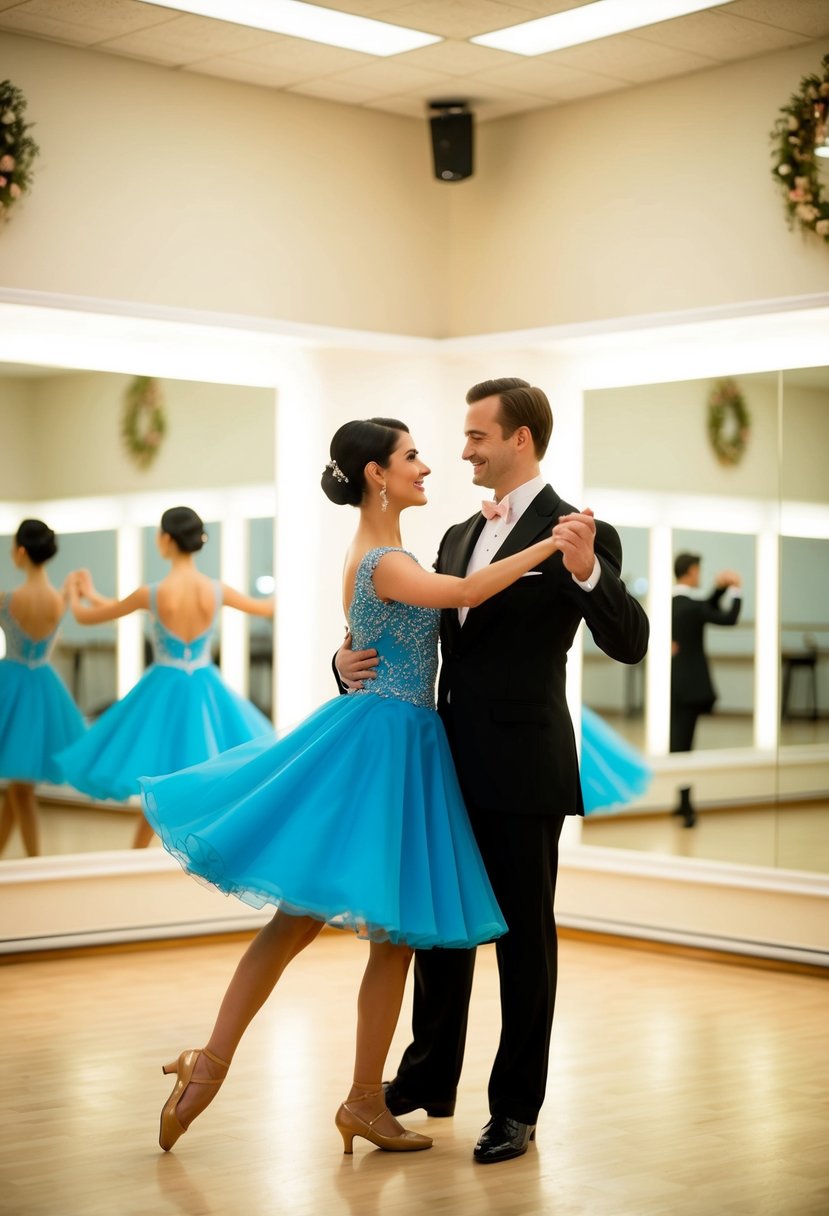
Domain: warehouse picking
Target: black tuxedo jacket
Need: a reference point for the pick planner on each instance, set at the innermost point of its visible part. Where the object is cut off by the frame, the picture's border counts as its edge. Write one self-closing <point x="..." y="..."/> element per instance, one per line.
<point x="501" y="692"/>
<point x="691" y="683"/>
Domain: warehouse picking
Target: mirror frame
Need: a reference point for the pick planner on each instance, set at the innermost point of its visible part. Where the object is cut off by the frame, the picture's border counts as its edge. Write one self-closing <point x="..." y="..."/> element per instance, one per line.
<point x="115" y="897"/>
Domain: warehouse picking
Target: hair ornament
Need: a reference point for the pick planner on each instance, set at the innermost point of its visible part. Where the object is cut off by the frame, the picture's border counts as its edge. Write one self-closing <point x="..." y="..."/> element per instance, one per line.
<point x="337" y="472"/>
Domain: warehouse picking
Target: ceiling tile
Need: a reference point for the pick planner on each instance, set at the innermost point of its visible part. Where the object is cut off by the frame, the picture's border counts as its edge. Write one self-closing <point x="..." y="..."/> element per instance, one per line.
<point x="545" y="8"/>
<point x="457" y="58"/>
<point x="409" y="107"/>
<point x="385" y="76"/>
<point x="497" y="104"/>
<point x="671" y="63"/>
<point x="17" y="21"/>
<point x="624" y="56"/>
<point x="104" y="16"/>
<point x="556" y="83"/>
<point x="718" y="34"/>
<point x="810" y="17"/>
<point x="496" y="83"/>
<point x="458" y="19"/>
<point x="189" y="38"/>
<point x="359" y="8"/>
<point x="304" y="59"/>
<point x="228" y="68"/>
<point x="332" y="89"/>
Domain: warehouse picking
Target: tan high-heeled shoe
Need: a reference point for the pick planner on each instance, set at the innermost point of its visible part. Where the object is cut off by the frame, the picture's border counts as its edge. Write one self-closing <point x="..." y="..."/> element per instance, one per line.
<point x="170" y="1128"/>
<point x="350" y="1124"/>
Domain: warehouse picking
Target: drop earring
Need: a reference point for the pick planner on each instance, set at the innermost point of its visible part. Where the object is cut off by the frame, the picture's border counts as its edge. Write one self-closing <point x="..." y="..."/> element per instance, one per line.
<point x="384" y="498"/>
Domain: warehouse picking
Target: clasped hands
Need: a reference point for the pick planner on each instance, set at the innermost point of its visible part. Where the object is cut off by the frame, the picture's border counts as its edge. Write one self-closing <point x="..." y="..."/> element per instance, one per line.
<point x="575" y="537"/>
<point x="729" y="578"/>
<point x="79" y="583"/>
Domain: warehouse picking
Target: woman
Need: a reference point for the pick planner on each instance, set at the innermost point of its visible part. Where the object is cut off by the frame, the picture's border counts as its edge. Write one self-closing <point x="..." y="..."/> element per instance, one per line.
<point x="37" y="715"/>
<point x="180" y="712"/>
<point x="354" y="818"/>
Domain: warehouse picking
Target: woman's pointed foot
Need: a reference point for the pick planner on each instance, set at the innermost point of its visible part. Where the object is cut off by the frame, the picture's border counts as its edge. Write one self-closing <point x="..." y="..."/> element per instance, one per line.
<point x="178" y="1113"/>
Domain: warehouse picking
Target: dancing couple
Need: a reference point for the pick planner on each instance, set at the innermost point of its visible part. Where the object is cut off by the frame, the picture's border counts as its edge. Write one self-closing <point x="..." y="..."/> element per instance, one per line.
<point x="454" y="840"/>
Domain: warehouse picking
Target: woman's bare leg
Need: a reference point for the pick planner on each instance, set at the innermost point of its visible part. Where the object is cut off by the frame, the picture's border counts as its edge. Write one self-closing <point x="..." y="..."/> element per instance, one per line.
<point x="25" y="804"/>
<point x="270" y="952"/>
<point x="378" y="1011"/>
<point x="143" y="834"/>
<point x="8" y="815"/>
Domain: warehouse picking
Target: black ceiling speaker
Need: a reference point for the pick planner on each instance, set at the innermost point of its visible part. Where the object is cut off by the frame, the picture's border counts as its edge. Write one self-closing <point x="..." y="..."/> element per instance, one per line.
<point x="452" y="138"/>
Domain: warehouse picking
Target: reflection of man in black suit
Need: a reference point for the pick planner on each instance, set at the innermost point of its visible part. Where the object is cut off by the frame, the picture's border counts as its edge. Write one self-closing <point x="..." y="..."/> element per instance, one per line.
<point x="692" y="689"/>
<point x="502" y="699"/>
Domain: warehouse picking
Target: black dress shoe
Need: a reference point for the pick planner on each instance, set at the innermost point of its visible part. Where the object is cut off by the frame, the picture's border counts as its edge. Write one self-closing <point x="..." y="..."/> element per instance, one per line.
<point x="502" y="1139"/>
<point x="399" y="1102"/>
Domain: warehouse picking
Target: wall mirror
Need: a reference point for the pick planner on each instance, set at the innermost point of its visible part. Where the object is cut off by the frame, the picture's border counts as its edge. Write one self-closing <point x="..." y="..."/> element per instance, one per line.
<point x="759" y="768"/>
<point x="105" y="511"/>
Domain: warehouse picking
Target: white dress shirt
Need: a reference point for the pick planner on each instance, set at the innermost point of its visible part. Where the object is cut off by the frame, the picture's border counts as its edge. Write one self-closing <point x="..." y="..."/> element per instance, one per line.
<point x="495" y="532"/>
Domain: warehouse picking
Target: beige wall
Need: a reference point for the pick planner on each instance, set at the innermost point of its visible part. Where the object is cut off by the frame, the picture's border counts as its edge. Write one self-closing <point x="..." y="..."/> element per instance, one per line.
<point x="653" y="199"/>
<point x="804" y="476"/>
<point x="176" y="189"/>
<point x="662" y="429"/>
<point x="16" y="451"/>
<point x="61" y="437"/>
<point x="170" y="188"/>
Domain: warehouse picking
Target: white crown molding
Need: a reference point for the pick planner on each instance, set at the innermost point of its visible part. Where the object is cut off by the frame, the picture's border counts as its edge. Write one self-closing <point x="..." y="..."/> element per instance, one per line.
<point x="300" y="333"/>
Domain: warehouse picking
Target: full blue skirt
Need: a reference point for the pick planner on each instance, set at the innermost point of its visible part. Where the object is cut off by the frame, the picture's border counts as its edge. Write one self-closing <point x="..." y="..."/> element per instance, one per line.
<point x="355" y="818"/>
<point x="170" y="720"/>
<point x="37" y="718"/>
<point x="613" y="772"/>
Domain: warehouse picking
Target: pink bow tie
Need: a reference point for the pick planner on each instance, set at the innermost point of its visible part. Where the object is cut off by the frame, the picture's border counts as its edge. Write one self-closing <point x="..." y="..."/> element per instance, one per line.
<point x="494" y="510"/>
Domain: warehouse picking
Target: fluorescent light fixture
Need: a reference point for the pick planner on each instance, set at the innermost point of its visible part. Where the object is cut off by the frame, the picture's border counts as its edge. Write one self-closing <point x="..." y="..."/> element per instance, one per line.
<point x="308" y="21"/>
<point x="600" y="19"/>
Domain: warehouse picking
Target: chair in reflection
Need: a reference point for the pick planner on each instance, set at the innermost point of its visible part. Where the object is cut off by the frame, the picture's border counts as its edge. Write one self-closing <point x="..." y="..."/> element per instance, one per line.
<point x="805" y="660"/>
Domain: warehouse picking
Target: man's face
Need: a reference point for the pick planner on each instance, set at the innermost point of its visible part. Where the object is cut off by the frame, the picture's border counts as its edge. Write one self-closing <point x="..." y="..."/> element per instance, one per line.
<point x="692" y="577"/>
<point x="492" y="456"/>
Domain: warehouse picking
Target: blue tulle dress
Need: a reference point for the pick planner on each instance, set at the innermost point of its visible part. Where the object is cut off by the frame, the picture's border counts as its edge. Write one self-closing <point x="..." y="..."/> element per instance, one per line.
<point x="179" y="713"/>
<point x="612" y="771"/>
<point x="355" y="817"/>
<point x="37" y="715"/>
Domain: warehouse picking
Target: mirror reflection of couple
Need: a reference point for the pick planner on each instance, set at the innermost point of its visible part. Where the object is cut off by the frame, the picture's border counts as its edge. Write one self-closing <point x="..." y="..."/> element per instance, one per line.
<point x="424" y="831"/>
<point x="43" y="737"/>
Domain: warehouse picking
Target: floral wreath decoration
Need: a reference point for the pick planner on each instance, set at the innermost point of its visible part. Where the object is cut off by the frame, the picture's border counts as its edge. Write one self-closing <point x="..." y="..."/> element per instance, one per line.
<point x="144" y="422"/>
<point x="799" y="131"/>
<point x="729" y="422"/>
<point x="17" y="149"/>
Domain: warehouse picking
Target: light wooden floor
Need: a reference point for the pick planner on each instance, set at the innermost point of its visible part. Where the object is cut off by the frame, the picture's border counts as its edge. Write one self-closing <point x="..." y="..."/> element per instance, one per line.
<point x="681" y="1087"/>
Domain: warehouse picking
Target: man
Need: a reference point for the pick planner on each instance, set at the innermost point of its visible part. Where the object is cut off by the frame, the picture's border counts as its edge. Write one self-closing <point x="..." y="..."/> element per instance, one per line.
<point x="501" y="696"/>
<point x="692" y="689"/>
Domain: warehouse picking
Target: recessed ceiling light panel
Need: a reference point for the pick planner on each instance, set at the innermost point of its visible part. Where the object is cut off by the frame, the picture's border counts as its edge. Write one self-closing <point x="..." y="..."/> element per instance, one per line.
<point x="309" y="21"/>
<point x="601" y="19"/>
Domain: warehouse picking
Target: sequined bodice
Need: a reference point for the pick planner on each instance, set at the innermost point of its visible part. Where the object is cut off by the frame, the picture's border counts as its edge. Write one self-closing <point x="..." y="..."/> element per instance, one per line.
<point x="404" y="636"/>
<point x="20" y="648"/>
<point x="172" y="651"/>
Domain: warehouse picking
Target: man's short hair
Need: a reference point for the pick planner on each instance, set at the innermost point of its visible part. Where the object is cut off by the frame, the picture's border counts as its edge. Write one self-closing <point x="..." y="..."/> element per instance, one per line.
<point x="521" y="405"/>
<point x="684" y="562"/>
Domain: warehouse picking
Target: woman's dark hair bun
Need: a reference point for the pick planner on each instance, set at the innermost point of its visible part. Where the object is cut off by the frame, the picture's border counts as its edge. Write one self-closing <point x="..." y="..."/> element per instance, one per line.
<point x="37" y="539"/>
<point x="185" y="527"/>
<point x="355" y="445"/>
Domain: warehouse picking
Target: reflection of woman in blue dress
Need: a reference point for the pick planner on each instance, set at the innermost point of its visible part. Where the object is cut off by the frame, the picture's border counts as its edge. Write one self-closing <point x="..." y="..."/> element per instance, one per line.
<point x="180" y="712"/>
<point x="37" y="715"/>
<point x="613" y="772"/>
<point x="356" y="816"/>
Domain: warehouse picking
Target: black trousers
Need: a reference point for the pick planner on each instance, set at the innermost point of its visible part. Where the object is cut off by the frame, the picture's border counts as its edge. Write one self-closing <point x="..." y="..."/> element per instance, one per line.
<point x="683" y="725"/>
<point x="521" y="857"/>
